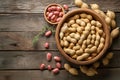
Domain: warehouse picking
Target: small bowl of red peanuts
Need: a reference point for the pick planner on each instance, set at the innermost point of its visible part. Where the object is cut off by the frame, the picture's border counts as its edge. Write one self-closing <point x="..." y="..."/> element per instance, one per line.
<point x="53" y="13"/>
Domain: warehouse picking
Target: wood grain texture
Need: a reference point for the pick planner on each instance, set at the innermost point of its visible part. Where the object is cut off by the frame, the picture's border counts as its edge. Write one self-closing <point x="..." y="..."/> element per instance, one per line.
<point x="28" y="22"/>
<point x="106" y="74"/>
<point x="15" y="41"/>
<point x="21" y="20"/>
<point x="23" y="41"/>
<point x="37" y="6"/>
<point x="32" y="60"/>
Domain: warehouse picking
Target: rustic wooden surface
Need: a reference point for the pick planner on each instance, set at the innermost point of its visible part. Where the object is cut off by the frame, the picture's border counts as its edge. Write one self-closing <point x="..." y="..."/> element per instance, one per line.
<point x="20" y="21"/>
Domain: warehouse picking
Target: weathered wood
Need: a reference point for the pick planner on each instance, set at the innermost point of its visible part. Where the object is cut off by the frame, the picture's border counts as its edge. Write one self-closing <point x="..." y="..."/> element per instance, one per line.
<point x="18" y="42"/>
<point x="37" y="6"/>
<point x="23" y="41"/>
<point x="31" y="75"/>
<point x="28" y="22"/>
<point x="22" y="22"/>
<point x="106" y="74"/>
<point x="22" y="61"/>
<point x="32" y="60"/>
<point x="26" y="60"/>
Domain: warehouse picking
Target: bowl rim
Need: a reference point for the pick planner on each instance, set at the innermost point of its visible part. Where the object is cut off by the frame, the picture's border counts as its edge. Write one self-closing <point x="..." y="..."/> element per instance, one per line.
<point x="105" y="27"/>
<point x="55" y="4"/>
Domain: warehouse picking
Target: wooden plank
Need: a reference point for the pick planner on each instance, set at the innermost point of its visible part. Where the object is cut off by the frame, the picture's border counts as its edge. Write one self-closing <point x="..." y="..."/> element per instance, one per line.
<point x="37" y="6"/>
<point x="28" y="22"/>
<point x="22" y="22"/>
<point x="32" y="60"/>
<point x="23" y="41"/>
<point x="106" y="74"/>
<point x="28" y="6"/>
<point x="31" y="75"/>
<point x="25" y="60"/>
<point x="15" y="41"/>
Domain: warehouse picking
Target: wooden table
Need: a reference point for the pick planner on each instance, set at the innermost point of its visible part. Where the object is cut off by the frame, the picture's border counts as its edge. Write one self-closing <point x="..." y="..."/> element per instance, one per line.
<point x="20" y="21"/>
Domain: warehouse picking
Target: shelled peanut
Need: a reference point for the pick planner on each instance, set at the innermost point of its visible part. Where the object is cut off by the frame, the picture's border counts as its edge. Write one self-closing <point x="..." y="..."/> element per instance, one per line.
<point x="82" y="36"/>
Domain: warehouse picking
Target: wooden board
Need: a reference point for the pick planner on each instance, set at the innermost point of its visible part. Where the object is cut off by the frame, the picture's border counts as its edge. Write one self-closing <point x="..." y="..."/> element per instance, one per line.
<point x="28" y="22"/>
<point x="21" y="20"/>
<point x="37" y="6"/>
<point x="32" y="60"/>
<point x="106" y="74"/>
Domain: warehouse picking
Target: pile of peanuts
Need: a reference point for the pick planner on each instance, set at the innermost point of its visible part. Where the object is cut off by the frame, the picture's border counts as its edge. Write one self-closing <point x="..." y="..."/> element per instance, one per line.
<point x="82" y="37"/>
<point x="79" y="39"/>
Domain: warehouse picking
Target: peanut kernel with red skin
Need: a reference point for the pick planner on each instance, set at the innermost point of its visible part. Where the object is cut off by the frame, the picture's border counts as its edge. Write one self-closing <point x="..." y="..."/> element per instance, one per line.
<point x="46" y="45"/>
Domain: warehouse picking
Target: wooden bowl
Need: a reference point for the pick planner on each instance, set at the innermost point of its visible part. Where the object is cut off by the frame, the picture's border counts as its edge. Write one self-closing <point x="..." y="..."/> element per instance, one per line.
<point x="96" y="16"/>
<point x="53" y="4"/>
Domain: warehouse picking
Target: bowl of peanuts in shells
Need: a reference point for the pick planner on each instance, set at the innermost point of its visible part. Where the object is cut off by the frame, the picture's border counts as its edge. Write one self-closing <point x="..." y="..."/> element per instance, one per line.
<point x="82" y="36"/>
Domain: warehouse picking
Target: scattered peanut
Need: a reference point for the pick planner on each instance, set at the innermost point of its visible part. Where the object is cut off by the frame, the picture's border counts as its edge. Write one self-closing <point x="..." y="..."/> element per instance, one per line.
<point x="49" y="56"/>
<point x="113" y="24"/>
<point x="78" y="3"/>
<point x="73" y="71"/>
<point x="108" y="20"/>
<point x="42" y="66"/>
<point x="91" y="72"/>
<point x="84" y="5"/>
<point x="110" y="14"/>
<point x="46" y="45"/>
<point x="49" y="67"/>
<point x="83" y="69"/>
<point x="48" y="33"/>
<point x="109" y="55"/>
<point x="88" y="71"/>
<point x="67" y="66"/>
<point x="94" y="6"/>
<point x="58" y="65"/>
<point x="65" y="7"/>
<point x="96" y="65"/>
<point x="56" y="58"/>
<point x="115" y="32"/>
<point x="55" y="70"/>
<point x="105" y="61"/>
